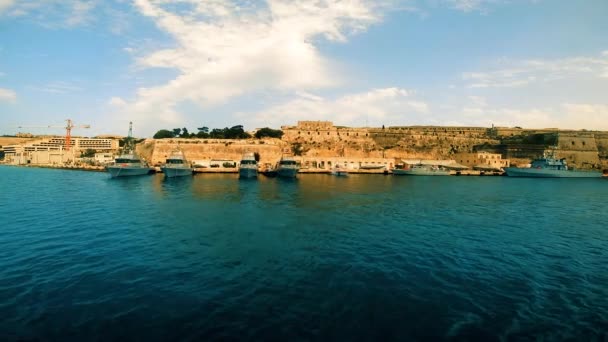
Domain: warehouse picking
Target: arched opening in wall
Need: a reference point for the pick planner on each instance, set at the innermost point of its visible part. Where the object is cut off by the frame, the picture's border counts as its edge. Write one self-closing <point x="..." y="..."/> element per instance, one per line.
<point x="583" y="143"/>
<point x="573" y="143"/>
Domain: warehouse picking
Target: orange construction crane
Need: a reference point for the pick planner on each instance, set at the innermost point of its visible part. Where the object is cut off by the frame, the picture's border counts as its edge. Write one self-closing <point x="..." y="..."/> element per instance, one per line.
<point x="68" y="131"/>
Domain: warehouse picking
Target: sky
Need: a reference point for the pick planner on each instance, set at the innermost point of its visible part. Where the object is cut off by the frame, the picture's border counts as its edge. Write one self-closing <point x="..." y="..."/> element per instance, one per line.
<point x="165" y="64"/>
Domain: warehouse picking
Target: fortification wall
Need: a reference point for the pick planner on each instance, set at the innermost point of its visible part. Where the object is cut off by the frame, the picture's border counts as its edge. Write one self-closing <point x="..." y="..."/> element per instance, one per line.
<point x="321" y="139"/>
<point x="156" y="151"/>
<point x="579" y="149"/>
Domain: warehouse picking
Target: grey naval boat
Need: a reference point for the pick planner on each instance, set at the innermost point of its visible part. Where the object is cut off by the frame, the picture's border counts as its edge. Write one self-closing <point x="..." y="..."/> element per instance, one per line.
<point x="287" y="168"/>
<point x="128" y="163"/>
<point x="176" y="166"/>
<point x="248" y="168"/>
<point x="421" y="170"/>
<point x="550" y="167"/>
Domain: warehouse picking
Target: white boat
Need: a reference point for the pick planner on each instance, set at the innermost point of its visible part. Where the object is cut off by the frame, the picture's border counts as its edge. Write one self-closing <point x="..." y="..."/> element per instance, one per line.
<point x="128" y="163"/>
<point x="421" y="170"/>
<point x="176" y="166"/>
<point x="339" y="171"/>
<point x="287" y="168"/>
<point x="248" y="168"/>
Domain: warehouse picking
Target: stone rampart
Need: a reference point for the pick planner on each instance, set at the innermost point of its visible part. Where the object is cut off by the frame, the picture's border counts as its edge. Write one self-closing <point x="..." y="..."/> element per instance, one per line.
<point x="321" y="139"/>
<point x="156" y="151"/>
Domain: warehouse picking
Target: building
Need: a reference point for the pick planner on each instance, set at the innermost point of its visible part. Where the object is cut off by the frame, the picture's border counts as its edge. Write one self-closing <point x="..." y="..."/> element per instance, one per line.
<point x="52" y="150"/>
<point x="482" y="160"/>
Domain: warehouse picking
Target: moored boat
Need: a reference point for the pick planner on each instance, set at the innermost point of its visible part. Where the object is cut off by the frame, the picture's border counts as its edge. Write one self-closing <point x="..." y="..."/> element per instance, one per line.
<point x="550" y="167"/>
<point x="421" y="170"/>
<point x="287" y="168"/>
<point x="128" y="163"/>
<point x="176" y="166"/>
<point x="248" y="168"/>
<point x="339" y="171"/>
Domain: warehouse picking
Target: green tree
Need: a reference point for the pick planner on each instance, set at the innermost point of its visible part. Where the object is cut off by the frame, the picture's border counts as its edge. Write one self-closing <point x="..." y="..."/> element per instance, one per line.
<point x="185" y="133"/>
<point x="176" y="132"/>
<point x="217" y="133"/>
<point x="268" y="132"/>
<point x="203" y="132"/>
<point x="163" y="134"/>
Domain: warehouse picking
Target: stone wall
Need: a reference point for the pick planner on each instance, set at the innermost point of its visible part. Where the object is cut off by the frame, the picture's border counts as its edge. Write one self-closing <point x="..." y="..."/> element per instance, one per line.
<point x="422" y="142"/>
<point x="156" y="151"/>
<point x="321" y="139"/>
<point x="579" y="149"/>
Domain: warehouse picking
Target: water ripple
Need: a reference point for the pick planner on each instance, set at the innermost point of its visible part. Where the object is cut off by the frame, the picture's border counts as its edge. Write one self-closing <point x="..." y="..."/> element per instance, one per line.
<point x="320" y="258"/>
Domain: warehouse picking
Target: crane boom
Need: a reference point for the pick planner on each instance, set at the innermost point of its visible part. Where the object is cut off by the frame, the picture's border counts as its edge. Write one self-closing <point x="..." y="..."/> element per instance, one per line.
<point x="68" y="130"/>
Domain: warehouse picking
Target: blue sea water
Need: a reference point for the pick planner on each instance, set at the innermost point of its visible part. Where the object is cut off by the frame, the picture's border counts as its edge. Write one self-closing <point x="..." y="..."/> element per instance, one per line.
<point x="359" y="258"/>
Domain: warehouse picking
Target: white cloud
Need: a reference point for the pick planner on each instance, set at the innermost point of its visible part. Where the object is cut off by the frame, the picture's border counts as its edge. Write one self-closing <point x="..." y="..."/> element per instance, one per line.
<point x="474" y="5"/>
<point x="117" y="101"/>
<point x="58" y="87"/>
<point x="7" y="95"/>
<point x="80" y="13"/>
<point x="52" y="13"/>
<point x="375" y="107"/>
<point x="510" y="74"/>
<point x="591" y="116"/>
<point x="564" y="115"/>
<point x="227" y="49"/>
<point x="465" y="5"/>
<point x="5" y="5"/>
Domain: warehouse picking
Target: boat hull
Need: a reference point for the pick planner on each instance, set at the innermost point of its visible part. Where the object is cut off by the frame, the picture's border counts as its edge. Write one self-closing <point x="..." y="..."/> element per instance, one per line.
<point x="421" y="172"/>
<point x="127" y="171"/>
<point x="287" y="172"/>
<point x="545" y="173"/>
<point x="171" y="172"/>
<point x="339" y="173"/>
<point x="246" y="172"/>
